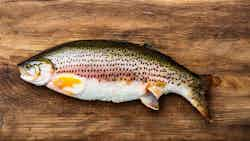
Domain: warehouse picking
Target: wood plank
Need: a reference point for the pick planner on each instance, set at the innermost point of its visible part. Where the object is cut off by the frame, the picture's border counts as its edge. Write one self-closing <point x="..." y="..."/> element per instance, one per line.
<point x="207" y="37"/>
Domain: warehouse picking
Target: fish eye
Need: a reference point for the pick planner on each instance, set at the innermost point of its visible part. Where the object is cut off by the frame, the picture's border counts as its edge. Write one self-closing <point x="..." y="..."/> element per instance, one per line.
<point x="28" y="66"/>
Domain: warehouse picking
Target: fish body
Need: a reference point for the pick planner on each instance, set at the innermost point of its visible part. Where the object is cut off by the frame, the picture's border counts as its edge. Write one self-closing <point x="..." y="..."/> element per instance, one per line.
<point x="113" y="71"/>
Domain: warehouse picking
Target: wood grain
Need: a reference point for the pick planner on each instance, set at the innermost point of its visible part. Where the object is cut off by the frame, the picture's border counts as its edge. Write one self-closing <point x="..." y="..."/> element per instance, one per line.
<point x="208" y="37"/>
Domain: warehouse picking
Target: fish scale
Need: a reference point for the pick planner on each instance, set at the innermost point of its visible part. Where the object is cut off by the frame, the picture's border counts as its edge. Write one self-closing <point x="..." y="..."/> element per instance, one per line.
<point x="86" y="64"/>
<point x="116" y="71"/>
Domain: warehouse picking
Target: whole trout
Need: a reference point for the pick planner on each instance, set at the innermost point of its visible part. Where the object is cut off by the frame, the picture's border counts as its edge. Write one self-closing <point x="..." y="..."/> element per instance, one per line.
<point x="113" y="71"/>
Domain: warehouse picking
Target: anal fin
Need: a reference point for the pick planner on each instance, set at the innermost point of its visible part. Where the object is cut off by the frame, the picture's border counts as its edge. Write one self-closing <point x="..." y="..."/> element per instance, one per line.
<point x="156" y="88"/>
<point x="154" y="91"/>
<point x="150" y="101"/>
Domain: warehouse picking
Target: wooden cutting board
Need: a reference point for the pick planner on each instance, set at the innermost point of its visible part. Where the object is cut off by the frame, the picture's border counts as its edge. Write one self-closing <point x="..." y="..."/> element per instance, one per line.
<point x="208" y="37"/>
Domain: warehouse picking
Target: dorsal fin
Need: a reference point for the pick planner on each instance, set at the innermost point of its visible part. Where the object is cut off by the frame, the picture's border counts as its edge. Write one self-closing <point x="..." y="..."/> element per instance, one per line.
<point x="148" y="45"/>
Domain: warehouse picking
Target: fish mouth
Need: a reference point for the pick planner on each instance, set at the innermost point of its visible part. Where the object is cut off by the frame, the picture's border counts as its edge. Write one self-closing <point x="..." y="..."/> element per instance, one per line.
<point x="21" y="69"/>
<point x="22" y="72"/>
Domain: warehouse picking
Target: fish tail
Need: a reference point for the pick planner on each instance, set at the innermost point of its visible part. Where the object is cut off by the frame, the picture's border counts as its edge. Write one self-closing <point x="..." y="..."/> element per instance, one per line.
<point x="195" y="93"/>
<point x="198" y="100"/>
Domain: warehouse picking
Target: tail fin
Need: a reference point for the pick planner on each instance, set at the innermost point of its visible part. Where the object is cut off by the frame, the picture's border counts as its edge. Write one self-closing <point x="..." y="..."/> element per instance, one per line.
<point x="197" y="96"/>
<point x="198" y="100"/>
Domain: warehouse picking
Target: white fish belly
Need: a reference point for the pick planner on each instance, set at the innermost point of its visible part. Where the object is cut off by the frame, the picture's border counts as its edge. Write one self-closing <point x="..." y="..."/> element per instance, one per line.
<point x="115" y="91"/>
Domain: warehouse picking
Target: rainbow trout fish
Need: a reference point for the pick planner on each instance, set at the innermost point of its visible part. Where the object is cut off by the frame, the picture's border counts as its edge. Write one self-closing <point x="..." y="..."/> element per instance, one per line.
<point x="113" y="71"/>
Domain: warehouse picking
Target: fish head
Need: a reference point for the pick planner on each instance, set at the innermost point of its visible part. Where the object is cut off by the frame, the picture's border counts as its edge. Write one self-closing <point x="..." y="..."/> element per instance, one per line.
<point x="36" y="71"/>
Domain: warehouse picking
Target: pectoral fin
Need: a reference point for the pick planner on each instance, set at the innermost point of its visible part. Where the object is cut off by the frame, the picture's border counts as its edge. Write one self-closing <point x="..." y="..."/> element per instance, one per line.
<point x="150" y="101"/>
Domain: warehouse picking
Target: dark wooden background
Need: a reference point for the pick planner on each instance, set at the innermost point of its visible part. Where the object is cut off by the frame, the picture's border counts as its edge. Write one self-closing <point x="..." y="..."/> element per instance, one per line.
<point x="208" y="37"/>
